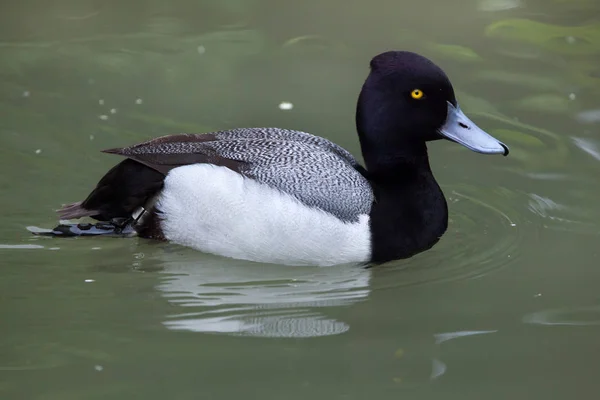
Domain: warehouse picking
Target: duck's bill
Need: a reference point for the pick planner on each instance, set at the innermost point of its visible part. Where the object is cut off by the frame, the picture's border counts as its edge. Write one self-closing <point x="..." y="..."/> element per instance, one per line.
<point x="460" y="129"/>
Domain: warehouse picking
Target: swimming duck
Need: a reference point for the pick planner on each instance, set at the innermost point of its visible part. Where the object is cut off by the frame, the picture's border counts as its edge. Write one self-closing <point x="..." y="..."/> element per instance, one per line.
<point x="283" y="196"/>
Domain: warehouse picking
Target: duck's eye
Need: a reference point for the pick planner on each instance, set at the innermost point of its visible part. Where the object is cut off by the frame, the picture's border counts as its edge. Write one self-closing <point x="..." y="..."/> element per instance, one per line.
<point x="417" y="94"/>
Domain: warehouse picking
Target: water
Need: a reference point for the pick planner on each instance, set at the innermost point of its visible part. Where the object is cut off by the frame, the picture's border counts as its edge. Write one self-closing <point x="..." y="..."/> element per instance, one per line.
<point x="505" y="306"/>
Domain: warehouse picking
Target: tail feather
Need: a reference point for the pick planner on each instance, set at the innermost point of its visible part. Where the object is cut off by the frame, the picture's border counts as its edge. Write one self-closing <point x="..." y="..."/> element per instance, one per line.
<point x="123" y="190"/>
<point x="75" y="210"/>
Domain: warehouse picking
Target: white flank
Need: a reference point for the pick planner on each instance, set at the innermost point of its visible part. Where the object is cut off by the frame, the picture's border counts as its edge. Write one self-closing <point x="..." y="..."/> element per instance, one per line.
<point x="218" y="211"/>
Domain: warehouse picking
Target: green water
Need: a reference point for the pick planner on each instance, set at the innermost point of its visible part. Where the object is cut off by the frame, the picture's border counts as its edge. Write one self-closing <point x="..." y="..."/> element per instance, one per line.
<point x="506" y="306"/>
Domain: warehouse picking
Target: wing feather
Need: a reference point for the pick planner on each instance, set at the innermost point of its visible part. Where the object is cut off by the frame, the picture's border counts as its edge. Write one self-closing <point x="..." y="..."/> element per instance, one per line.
<point x="315" y="170"/>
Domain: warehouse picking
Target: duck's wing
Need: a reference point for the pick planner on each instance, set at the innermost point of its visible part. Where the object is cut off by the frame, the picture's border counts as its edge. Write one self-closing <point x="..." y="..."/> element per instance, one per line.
<point x="174" y="144"/>
<point x="314" y="170"/>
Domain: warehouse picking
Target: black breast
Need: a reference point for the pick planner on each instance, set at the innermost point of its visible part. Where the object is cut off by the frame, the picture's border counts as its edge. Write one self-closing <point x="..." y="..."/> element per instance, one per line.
<point x="408" y="217"/>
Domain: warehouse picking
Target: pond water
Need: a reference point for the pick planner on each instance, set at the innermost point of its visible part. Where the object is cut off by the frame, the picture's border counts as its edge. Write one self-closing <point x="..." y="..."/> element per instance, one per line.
<point x="505" y="306"/>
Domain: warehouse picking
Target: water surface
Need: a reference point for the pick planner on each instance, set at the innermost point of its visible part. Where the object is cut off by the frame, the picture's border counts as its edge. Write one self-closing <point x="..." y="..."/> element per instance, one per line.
<point x="505" y="306"/>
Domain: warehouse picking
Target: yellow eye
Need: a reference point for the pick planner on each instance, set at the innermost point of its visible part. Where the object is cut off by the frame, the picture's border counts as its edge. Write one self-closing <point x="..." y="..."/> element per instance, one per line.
<point x="417" y="94"/>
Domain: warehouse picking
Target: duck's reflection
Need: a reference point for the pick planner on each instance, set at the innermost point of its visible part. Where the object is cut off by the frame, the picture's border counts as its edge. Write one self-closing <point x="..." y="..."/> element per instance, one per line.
<point x="218" y="295"/>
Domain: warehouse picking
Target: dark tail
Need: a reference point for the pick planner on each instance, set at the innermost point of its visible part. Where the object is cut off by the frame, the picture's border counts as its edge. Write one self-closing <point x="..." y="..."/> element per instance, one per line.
<point x="122" y="191"/>
<point x="75" y="210"/>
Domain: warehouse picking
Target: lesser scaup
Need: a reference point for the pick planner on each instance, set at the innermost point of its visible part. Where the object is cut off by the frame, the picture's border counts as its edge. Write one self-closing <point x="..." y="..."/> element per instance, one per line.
<point x="282" y="196"/>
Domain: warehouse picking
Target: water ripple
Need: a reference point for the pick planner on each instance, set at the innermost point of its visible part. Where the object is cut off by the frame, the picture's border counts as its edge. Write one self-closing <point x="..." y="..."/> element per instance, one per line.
<point x="557" y="215"/>
<point x="484" y="232"/>
<point x="578" y="316"/>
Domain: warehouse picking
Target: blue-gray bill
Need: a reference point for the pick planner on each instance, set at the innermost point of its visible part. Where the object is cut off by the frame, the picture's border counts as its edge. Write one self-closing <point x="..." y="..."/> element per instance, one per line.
<point x="460" y="129"/>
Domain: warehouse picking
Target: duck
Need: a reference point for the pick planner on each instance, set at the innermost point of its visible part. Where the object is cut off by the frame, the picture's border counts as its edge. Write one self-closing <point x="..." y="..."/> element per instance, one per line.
<point x="281" y="196"/>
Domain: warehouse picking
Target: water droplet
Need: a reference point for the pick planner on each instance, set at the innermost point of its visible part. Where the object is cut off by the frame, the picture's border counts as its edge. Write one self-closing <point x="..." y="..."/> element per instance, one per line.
<point x="572" y="96"/>
<point x="201" y="50"/>
<point x="571" y="40"/>
<point x="285" y="105"/>
<point x="96" y="248"/>
<point x="113" y="110"/>
<point x="91" y="137"/>
<point x="513" y="224"/>
<point x="101" y="102"/>
<point x="103" y="117"/>
<point x="99" y="368"/>
<point x="26" y="93"/>
<point x="89" y="280"/>
<point x="38" y="151"/>
<point x="139" y="101"/>
<point x="537" y="295"/>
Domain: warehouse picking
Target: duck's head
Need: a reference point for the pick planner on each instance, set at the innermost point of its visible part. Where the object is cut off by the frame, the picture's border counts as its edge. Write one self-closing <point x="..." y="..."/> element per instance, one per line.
<point x="406" y="101"/>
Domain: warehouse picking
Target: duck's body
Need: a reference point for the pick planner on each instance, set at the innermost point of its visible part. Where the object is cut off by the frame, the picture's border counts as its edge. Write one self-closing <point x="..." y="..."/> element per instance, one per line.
<point x="282" y="196"/>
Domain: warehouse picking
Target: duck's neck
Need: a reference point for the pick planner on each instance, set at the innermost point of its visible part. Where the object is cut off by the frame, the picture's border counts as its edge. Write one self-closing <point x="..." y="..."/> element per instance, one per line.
<point x="410" y="213"/>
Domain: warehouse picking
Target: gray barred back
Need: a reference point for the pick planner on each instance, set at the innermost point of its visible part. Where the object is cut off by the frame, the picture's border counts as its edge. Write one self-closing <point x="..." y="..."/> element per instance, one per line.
<point x="314" y="170"/>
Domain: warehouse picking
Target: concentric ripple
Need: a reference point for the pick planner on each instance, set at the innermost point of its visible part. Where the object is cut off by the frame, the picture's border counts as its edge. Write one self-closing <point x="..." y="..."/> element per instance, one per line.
<point x="485" y="228"/>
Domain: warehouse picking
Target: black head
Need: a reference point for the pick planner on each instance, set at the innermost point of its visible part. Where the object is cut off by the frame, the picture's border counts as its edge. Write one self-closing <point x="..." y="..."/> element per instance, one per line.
<point x="406" y="101"/>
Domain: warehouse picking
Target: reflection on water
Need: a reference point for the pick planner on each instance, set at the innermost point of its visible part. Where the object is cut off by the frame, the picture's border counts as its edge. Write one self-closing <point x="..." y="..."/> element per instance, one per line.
<point x="219" y="295"/>
<point x="562" y="217"/>
<point x="499" y="5"/>
<point x="438" y="367"/>
<point x="444" y="337"/>
<point x="21" y="246"/>
<point x="588" y="116"/>
<point x="569" y="316"/>
<point x="588" y="145"/>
